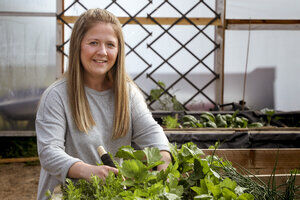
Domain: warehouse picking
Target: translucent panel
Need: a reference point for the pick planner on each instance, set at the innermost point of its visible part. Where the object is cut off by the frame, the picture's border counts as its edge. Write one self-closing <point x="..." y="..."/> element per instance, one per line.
<point x="182" y="61"/>
<point x="28" y="5"/>
<point x="263" y="9"/>
<point x="133" y="7"/>
<point x="273" y="69"/>
<point x="27" y="63"/>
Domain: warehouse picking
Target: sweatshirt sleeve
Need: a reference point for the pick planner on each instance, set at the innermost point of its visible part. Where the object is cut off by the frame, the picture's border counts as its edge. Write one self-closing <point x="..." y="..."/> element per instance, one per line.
<point x="146" y="131"/>
<point x="50" y="130"/>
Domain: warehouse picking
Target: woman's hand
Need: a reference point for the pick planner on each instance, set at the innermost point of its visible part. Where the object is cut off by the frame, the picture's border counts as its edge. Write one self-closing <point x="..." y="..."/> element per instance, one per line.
<point x="166" y="157"/>
<point x="83" y="170"/>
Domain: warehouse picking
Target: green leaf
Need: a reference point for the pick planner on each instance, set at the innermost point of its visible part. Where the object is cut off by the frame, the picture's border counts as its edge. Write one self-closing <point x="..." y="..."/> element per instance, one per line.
<point x="255" y="125"/>
<point x="174" y="188"/>
<point x="162" y="84"/>
<point x="176" y="104"/>
<point x="235" y="114"/>
<point x="125" y="152"/>
<point x="128" y="183"/>
<point x="187" y="124"/>
<point x="197" y="174"/>
<point x="155" y="94"/>
<point x="214" y="189"/>
<point x="171" y="196"/>
<point x="155" y="164"/>
<point x="189" y="118"/>
<point x="140" y="193"/>
<point x="199" y="125"/>
<point x="208" y="117"/>
<point x="170" y="122"/>
<point x="228" y="194"/>
<point x="228" y="183"/>
<point x="239" y="121"/>
<point x="171" y="170"/>
<point x="174" y="151"/>
<point x="246" y="196"/>
<point x="48" y="193"/>
<point x="190" y="150"/>
<point x="221" y="121"/>
<point x="211" y="116"/>
<point x="126" y="193"/>
<point x="134" y="169"/>
<point x="210" y="124"/>
<point x="152" y="155"/>
<point x="200" y="190"/>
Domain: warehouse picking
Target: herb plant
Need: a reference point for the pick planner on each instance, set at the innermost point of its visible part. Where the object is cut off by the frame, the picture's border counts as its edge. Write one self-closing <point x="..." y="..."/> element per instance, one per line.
<point x="191" y="175"/>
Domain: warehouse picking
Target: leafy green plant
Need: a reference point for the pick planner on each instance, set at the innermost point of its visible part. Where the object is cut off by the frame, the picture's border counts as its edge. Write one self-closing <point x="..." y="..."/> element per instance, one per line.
<point x="191" y="175"/>
<point x="208" y="120"/>
<point x="165" y="101"/>
<point x="170" y="122"/>
<point x="270" y="113"/>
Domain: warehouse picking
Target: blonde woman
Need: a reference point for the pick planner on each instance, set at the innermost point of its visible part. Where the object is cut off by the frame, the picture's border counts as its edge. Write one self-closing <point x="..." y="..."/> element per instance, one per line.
<point x="94" y="103"/>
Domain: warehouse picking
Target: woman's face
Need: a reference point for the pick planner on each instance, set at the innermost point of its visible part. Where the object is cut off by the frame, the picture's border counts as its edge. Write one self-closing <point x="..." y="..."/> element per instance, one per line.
<point x="99" y="51"/>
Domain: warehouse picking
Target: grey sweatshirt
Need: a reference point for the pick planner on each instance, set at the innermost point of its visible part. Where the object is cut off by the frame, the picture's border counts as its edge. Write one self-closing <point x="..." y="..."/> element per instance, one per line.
<point x="61" y="144"/>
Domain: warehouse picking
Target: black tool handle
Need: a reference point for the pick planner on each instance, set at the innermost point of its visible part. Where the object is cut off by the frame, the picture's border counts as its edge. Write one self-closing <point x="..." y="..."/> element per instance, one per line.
<point x="105" y="157"/>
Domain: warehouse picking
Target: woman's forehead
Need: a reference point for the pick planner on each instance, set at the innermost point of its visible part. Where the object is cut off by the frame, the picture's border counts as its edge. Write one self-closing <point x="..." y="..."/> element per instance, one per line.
<point x="101" y="30"/>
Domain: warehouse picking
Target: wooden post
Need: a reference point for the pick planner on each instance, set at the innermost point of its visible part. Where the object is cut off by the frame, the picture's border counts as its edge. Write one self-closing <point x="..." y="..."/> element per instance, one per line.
<point x="59" y="40"/>
<point x="219" y="53"/>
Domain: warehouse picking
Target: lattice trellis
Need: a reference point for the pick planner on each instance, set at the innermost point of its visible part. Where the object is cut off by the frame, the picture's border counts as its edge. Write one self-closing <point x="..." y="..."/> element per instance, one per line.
<point x="149" y="70"/>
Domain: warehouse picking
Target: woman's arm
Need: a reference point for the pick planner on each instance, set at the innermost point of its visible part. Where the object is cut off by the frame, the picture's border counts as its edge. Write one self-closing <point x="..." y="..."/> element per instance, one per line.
<point x="146" y="132"/>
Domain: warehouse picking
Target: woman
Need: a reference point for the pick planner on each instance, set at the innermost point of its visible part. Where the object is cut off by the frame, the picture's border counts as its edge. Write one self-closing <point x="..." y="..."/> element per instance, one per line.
<point x="95" y="103"/>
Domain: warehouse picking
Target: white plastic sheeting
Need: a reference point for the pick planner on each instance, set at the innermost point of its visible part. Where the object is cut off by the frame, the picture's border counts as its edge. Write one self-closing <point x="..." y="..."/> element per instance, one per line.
<point x="27" y="56"/>
<point x="274" y="56"/>
<point x="263" y="9"/>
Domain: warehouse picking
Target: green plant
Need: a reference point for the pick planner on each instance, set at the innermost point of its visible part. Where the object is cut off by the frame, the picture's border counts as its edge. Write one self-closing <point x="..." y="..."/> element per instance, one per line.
<point x="14" y="147"/>
<point x="166" y="102"/>
<point x="270" y="113"/>
<point x="259" y="189"/>
<point x="208" y="120"/>
<point x="170" y="122"/>
<point x="191" y="175"/>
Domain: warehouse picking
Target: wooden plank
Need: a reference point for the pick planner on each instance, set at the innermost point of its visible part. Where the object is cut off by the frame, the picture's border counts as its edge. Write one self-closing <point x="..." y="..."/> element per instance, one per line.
<point x="15" y="133"/>
<point x="17" y="160"/>
<point x="261" y="161"/>
<point x="262" y="21"/>
<point x="160" y="20"/>
<point x="27" y="14"/>
<point x="278" y="130"/>
<point x="204" y="131"/>
<point x="262" y="24"/>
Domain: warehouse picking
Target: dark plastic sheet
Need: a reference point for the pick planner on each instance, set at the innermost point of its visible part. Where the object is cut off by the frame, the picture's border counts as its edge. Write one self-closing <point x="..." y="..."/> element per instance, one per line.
<point x="238" y="139"/>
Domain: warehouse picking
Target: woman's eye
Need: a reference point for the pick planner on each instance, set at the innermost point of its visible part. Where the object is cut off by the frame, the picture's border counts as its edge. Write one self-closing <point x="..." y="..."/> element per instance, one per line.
<point x="93" y="43"/>
<point x="111" y="44"/>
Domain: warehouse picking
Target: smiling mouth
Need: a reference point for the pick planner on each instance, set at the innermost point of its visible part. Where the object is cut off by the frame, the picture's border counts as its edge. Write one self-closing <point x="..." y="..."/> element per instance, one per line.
<point x="100" y="61"/>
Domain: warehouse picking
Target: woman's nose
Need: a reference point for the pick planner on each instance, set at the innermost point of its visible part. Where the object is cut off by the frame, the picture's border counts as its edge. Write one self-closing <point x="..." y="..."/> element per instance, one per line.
<point x="101" y="50"/>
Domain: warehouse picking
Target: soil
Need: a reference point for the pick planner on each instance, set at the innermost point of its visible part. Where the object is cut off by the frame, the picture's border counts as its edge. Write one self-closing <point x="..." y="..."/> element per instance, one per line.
<point x="19" y="181"/>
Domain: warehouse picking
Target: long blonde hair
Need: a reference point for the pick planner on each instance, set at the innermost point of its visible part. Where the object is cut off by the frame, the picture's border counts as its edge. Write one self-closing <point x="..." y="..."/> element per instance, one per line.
<point x="117" y="75"/>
